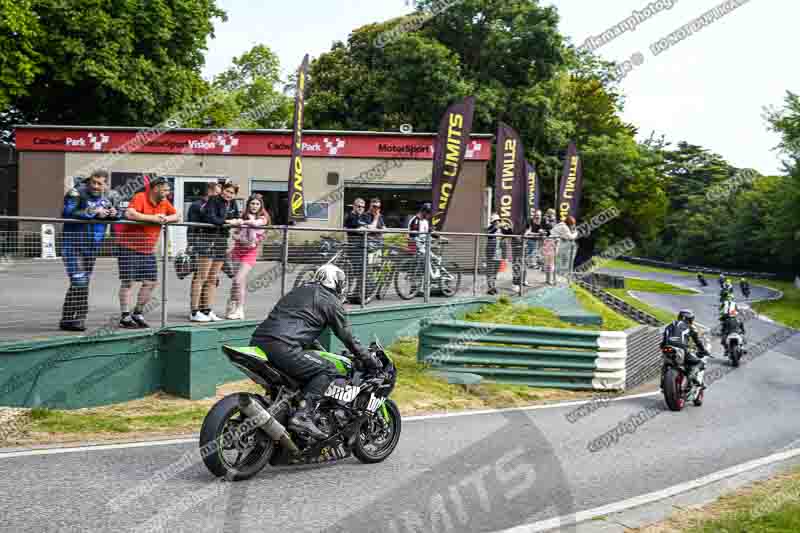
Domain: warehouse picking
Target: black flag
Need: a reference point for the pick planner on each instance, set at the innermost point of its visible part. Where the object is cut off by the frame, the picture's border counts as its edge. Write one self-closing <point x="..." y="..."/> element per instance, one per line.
<point x="569" y="196"/>
<point x="510" y="180"/>
<point x="451" y="145"/>
<point x="297" y="204"/>
<point x="532" y="192"/>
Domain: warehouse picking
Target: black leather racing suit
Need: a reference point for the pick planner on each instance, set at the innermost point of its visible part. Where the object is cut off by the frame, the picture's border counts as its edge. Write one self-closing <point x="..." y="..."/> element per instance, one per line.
<point x="290" y="332"/>
<point x="677" y="334"/>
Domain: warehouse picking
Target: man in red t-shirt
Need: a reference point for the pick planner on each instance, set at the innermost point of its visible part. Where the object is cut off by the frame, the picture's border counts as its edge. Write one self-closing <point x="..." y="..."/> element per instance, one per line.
<point x="136" y="248"/>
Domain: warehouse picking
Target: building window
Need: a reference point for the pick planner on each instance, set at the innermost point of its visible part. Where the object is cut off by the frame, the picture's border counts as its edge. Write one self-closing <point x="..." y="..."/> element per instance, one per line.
<point x="333" y="179"/>
<point x="317" y="210"/>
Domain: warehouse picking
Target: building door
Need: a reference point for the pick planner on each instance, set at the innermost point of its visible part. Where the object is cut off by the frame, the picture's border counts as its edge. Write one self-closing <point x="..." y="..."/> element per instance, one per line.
<point x="398" y="202"/>
<point x="187" y="190"/>
<point x="276" y="199"/>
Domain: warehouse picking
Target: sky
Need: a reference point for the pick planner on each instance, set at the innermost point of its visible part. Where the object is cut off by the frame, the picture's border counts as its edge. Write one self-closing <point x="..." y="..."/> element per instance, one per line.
<point x="708" y="89"/>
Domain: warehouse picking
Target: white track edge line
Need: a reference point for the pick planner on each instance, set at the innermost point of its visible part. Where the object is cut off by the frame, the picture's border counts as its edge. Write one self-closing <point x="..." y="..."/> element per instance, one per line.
<point x="142" y="444"/>
<point x="644" y="499"/>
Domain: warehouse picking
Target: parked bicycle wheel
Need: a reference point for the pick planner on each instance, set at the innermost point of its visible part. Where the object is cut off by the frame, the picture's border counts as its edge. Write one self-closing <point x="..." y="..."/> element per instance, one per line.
<point x="387" y="281"/>
<point x="450" y="279"/>
<point x="409" y="279"/>
<point x="305" y="276"/>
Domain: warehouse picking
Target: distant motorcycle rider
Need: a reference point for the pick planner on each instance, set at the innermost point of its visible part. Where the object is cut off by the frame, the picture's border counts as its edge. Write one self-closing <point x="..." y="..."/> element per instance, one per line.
<point x="744" y="286"/>
<point x="82" y="242"/>
<point x="726" y="293"/>
<point x="289" y="336"/>
<point x="678" y="334"/>
<point x="729" y="320"/>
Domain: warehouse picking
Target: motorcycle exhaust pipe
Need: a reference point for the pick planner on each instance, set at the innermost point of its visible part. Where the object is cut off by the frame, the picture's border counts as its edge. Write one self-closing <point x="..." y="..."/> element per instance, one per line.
<point x="270" y="425"/>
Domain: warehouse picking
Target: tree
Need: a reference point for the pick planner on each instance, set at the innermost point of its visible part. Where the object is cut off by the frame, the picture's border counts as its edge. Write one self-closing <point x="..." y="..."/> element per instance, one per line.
<point x="105" y="63"/>
<point x="19" y="60"/>
<point x="510" y="55"/>
<point x="248" y="94"/>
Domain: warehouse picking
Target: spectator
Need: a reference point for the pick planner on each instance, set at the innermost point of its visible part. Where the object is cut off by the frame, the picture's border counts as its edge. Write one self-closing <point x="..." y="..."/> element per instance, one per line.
<point x="418" y="227"/>
<point x="197" y="239"/>
<point x="374" y="239"/>
<point x="549" y="221"/>
<point x="535" y="233"/>
<point x="375" y="221"/>
<point x="82" y="243"/>
<point x="246" y="238"/>
<point x="221" y="211"/>
<point x="517" y="262"/>
<point x="136" y="247"/>
<point x="566" y="233"/>
<point x="494" y="250"/>
<point x="357" y="221"/>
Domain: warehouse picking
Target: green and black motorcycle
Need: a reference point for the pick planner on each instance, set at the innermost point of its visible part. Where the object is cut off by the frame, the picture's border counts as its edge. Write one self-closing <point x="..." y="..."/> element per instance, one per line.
<point x="245" y="431"/>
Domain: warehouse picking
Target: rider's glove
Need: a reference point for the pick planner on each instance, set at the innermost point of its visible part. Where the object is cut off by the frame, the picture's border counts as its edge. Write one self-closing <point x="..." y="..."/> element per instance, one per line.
<point x="370" y="362"/>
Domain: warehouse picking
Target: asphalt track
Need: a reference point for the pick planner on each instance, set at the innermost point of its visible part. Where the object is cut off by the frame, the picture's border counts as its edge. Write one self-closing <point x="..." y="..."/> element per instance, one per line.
<point x="477" y="472"/>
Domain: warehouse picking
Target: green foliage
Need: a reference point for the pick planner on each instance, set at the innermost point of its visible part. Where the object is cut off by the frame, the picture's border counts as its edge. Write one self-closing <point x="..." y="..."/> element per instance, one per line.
<point x="102" y="63"/>
<point x="249" y="93"/>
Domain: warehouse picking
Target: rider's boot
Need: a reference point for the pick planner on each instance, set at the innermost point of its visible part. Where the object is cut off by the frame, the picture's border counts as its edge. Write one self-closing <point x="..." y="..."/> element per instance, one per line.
<point x="302" y="421"/>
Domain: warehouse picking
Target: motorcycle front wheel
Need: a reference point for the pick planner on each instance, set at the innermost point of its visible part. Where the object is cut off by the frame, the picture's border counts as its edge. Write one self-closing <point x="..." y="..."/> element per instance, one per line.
<point x="376" y="441"/>
<point x="673" y="389"/>
<point x="226" y="452"/>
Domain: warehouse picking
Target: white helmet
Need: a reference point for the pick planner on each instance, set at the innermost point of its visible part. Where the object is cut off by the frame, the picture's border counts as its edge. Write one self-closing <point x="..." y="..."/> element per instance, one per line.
<point x="332" y="277"/>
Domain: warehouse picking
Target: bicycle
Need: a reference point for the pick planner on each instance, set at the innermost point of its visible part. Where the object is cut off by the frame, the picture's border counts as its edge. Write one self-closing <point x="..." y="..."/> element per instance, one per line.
<point x="445" y="274"/>
<point x="336" y="254"/>
<point x="383" y="277"/>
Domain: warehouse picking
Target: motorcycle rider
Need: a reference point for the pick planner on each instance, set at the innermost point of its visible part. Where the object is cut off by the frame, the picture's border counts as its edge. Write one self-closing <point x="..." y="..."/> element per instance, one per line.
<point x="729" y="320"/>
<point x="678" y="334"/>
<point x="744" y="286"/>
<point x="289" y="336"/>
<point x="726" y="292"/>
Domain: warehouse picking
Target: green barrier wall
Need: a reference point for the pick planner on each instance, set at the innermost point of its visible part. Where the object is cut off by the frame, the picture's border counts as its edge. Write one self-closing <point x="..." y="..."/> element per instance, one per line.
<point x="521" y="355"/>
<point x="187" y="361"/>
<point x="80" y="372"/>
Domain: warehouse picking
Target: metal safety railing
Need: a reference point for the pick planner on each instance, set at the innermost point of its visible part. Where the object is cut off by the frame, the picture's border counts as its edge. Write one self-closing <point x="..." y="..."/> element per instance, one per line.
<point x="68" y="274"/>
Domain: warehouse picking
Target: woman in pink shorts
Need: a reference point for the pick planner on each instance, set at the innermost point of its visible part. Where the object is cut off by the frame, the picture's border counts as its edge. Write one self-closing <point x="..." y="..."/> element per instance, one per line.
<point x="247" y="239"/>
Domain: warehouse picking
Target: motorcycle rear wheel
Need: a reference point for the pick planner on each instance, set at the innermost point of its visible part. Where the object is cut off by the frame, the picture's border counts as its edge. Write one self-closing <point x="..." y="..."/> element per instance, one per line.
<point x="673" y="389"/>
<point x="385" y="450"/>
<point x="217" y="437"/>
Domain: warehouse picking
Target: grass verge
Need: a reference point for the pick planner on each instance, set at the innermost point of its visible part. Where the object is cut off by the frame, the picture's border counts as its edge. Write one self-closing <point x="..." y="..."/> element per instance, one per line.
<point x="787" y="309"/>
<point x="612" y="321"/>
<point x="662" y="315"/>
<point x="770" y="506"/>
<point x="623" y="265"/>
<point x="646" y="285"/>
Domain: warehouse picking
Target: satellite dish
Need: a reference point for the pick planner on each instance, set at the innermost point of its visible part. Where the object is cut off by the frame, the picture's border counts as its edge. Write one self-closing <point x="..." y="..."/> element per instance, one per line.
<point x="406" y="128"/>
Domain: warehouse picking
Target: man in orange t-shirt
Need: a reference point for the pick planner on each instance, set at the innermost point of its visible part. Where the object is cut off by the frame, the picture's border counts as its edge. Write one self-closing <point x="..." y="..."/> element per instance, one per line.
<point x="136" y="249"/>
